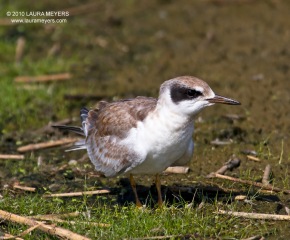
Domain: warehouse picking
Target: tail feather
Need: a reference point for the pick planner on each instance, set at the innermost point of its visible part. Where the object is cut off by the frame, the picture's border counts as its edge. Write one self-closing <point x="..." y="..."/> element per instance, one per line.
<point x="77" y="130"/>
<point x="80" y="145"/>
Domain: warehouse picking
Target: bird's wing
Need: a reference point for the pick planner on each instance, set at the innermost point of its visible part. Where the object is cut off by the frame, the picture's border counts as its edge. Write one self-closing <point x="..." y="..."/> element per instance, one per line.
<point x="107" y="126"/>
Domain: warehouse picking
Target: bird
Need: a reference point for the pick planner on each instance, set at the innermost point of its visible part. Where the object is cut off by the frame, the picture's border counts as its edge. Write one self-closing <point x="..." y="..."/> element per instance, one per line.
<point x="145" y="135"/>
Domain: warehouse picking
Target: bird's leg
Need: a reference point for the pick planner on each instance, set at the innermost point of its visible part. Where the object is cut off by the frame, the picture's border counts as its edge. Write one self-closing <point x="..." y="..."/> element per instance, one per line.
<point x="158" y="187"/>
<point x="133" y="185"/>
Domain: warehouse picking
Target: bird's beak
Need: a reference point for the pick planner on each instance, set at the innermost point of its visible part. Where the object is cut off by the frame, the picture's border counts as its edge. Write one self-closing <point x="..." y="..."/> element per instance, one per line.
<point x="224" y="100"/>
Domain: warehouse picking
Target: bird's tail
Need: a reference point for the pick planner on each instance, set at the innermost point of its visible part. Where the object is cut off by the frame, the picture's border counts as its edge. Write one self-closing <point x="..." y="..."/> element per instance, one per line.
<point x="78" y="130"/>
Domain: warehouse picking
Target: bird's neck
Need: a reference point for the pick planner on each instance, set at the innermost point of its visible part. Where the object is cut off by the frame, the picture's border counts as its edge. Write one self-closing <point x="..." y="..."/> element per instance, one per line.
<point x="170" y="116"/>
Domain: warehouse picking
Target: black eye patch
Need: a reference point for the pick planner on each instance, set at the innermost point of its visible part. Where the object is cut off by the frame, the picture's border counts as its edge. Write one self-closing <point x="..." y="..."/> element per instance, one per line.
<point x="191" y="93"/>
<point x="179" y="93"/>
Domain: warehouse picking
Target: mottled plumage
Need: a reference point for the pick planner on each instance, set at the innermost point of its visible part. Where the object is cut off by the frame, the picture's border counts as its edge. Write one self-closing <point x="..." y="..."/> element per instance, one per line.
<point x="105" y="129"/>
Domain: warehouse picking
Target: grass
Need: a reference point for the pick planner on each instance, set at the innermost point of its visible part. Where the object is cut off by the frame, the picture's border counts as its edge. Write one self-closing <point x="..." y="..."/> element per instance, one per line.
<point x="22" y="104"/>
<point x="130" y="222"/>
<point x="183" y="218"/>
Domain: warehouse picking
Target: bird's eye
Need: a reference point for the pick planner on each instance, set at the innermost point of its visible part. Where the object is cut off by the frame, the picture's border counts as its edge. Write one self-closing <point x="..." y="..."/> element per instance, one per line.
<point x="193" y="93"/>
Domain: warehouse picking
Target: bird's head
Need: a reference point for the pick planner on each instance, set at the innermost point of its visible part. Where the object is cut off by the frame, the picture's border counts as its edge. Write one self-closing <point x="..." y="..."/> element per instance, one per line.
<point x="189" y="95"/>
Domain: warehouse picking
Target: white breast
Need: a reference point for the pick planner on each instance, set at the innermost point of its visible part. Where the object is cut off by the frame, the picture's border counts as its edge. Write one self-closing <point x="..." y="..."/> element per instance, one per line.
<point x="161" y="139"/>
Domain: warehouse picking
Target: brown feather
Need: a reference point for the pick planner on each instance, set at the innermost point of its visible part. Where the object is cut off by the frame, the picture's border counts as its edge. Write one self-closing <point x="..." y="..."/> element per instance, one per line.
<point x="117" y="118"/>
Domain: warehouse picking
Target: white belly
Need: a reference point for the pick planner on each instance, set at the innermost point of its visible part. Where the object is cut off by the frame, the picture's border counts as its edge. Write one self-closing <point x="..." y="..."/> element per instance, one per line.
<point x="157" y="162"/>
